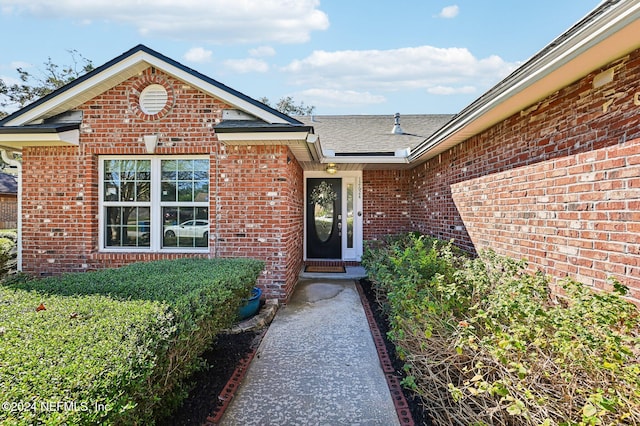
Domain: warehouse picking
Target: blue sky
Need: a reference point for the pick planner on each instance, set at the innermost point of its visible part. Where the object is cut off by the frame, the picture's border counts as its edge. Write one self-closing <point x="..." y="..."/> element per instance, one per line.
<point x="342" y="56"/>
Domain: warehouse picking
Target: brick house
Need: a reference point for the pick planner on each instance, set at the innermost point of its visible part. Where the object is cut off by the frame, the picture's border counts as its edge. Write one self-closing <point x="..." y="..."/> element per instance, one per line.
<point x="144" y="158"/>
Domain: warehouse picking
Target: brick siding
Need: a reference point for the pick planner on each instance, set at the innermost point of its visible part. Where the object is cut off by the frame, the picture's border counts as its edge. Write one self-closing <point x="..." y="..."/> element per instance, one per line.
<point x="8" y="211"/>
<point x="386" y="206"/>
<point x="260" y="212"/>
<point x="255" y="192"/>
<point x="578" y="215"/>
<point x="558" y="184"/>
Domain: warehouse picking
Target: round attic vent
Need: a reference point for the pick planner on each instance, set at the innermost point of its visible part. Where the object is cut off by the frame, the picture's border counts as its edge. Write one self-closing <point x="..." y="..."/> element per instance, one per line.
<point x="153" y="99"/>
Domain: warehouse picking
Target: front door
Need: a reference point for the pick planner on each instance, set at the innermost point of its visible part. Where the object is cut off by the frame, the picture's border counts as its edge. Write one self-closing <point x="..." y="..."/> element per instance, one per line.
<point x="324" y="218"/>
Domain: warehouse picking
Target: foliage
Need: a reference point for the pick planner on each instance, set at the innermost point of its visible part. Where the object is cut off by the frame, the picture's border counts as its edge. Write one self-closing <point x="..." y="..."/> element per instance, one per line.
<point x="323" y="195"/>
<point x="288" y="106"/>
<point x="485" y="343"/>
<point x="115" y="345"/>
<point x="34" y="86"/>
<point x="8" y="251"/>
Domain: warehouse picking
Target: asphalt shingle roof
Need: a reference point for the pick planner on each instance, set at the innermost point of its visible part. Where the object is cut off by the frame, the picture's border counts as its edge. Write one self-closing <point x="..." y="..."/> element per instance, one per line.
<point x="373" y="133"/>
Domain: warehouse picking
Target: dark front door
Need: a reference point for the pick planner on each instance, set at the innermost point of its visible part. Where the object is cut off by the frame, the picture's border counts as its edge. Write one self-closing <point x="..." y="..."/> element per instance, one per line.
<point x="324" y="218"/>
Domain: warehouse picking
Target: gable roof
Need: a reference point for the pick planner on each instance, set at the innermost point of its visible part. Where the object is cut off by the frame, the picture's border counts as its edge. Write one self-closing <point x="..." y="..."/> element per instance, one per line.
<point x="606" y="34"/>
<point x="125" y="66"/>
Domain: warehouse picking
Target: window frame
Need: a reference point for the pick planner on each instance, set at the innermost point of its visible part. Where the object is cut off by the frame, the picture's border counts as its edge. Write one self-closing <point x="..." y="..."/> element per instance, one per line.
<point x="155" y="204"/>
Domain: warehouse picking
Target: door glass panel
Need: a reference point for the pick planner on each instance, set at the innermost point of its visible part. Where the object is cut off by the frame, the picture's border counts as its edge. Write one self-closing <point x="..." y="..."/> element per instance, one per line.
<point x="349" y="215"/>
<point x="324" y="221"/>
<point x="323" y="198"/>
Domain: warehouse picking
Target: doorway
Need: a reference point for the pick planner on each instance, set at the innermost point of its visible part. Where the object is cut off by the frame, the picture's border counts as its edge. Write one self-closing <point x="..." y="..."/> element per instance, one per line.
<point x="324" y="218"/>
<point x="333" y="212"/>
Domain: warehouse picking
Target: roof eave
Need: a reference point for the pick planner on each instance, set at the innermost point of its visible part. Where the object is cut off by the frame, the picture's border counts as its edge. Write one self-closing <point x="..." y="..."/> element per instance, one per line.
<point x="125" y="66"/>
<point x="606" y="34"/>
<point x="19" y="140"/>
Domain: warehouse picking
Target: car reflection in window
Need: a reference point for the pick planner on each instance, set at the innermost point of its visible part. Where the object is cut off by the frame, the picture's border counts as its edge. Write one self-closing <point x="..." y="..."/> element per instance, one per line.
<point x="188" y="229"/>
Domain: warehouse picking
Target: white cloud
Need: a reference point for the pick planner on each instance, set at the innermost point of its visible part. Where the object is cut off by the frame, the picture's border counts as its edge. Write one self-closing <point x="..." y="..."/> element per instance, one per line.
<point x="448" y="90"/>
<point x="198" y="54"/>
<point x="414" y="68"/>
<point x="10" y="80"/>
<point x="20" y="64"/>
<point x="331" y="98"/>
<point x="262" y="51"/>
<point x="246" y="65"/>
<point x="449" y="12"/>
<point x="215" y="21"/>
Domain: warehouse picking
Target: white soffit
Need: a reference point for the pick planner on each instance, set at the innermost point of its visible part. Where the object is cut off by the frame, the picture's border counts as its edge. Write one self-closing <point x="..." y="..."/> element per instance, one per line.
<point x="122" y="70"/>
<point x="21" y="140"/>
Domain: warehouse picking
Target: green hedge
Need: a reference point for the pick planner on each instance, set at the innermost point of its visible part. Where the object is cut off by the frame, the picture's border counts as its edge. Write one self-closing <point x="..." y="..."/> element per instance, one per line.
<point x="485" y="342"/>
<point x="113" y="346"/>
<point x="8" y="253"/>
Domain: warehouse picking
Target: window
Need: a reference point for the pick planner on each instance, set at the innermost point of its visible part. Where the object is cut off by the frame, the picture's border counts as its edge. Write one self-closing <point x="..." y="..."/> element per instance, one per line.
<point x="154" y="203"/>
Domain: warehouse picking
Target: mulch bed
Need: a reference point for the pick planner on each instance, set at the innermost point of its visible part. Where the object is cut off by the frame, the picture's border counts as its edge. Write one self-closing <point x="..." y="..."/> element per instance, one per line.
<point x="208" y="383"/>
<point x="230" y="349"/>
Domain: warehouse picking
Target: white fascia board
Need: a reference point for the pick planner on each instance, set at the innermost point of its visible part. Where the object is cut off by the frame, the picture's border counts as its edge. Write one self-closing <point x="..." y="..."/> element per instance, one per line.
<point x="86" y="85"/>
<point x="252" y="137"/>
<point x="313" y="146"/>
<point x="365" y="160"/>
<point x="577" y="44"/>
<point x="18" y="141"/>
<point x="214" y="90"/>
<point x="132" y="64"/>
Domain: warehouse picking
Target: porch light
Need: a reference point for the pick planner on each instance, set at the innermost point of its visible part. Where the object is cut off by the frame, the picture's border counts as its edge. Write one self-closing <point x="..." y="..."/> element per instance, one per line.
<point x="331" y="169"/>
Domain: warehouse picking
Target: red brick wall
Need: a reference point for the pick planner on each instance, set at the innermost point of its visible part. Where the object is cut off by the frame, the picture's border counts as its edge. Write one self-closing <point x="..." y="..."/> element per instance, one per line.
<point x="386" y="206"/>
<point x="60" y="229"/>
<point x="8" y="211"/>
<point x="557" y="183"/>
<point x="260" y="212"/>
<point x="576" y="215"/>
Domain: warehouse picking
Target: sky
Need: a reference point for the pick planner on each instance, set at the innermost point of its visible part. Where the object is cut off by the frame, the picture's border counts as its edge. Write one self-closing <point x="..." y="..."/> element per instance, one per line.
<point x="340" y="56"/>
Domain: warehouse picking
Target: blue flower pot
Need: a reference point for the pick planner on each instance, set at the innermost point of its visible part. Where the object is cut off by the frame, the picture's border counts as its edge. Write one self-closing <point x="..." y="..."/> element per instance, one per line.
<point x="251" y="305"/>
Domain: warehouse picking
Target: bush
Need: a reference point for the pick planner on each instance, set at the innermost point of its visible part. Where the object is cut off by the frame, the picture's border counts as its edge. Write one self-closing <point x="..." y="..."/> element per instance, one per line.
<point x="485" y="343"/>
<point x="116" y="345"/>
<point x="8" y="253"/>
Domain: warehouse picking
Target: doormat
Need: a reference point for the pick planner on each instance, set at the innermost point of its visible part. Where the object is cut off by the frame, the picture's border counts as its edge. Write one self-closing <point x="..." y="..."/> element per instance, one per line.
<point x="325" y="268"/>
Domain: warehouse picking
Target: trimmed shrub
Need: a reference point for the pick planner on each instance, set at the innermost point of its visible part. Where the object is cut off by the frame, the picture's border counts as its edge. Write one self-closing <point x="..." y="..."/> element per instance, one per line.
<point x="8" y="251"/>
<point x="487" y="343"/>
<point x="113" y="346"/>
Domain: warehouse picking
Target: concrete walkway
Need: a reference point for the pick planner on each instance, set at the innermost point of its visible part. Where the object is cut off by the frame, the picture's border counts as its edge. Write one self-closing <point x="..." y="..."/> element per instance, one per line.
<point x="317" y="365"/>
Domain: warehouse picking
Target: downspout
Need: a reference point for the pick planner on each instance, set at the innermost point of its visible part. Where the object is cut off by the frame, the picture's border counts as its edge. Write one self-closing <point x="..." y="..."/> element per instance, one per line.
<point x="10" y="160"/>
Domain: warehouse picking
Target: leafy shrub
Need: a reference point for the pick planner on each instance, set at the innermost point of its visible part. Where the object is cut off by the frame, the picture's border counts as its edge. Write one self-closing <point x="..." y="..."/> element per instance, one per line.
<point x="9" y="234"/>
<point x="8" y="252"/>
<point x="117" y="343"/>
<point x="485" y="342"/>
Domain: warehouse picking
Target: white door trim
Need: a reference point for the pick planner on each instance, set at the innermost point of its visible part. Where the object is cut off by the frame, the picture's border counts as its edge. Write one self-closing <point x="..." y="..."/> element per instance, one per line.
<point x="355" y="178"/>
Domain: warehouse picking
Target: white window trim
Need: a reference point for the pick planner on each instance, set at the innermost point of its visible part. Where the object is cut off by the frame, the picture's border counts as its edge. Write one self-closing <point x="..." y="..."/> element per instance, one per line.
<point x="155" y="206"/>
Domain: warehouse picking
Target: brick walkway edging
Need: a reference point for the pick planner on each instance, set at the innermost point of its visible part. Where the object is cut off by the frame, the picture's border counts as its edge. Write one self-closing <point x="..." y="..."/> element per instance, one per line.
<point x="393" y="380"/>
<point x="232" y="385"/>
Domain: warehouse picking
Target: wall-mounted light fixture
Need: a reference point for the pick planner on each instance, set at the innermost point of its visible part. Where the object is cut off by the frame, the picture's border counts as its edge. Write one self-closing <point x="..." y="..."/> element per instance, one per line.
<point x="331" y="168"/>
<point x="150" y="142"/>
